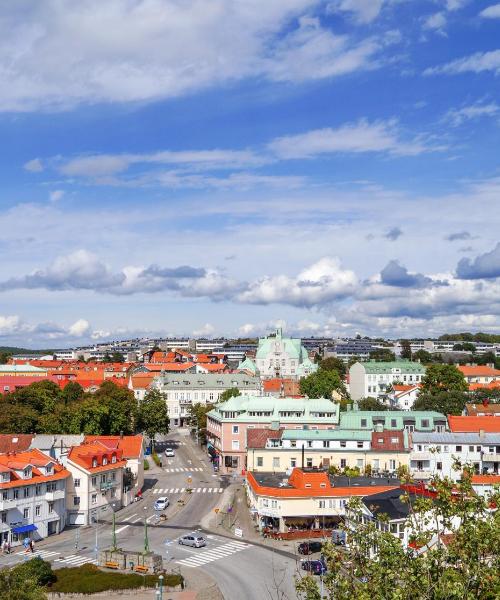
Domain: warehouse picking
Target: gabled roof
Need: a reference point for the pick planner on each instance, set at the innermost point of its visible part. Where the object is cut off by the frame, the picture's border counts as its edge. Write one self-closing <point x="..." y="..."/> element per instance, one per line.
<point x="83" y="455"/>
<point x="474" y="424"/>
<point x="130" y="445"/>
<point x="35" y="459"/>
<point x="257" y="438"/>
<point x="487" y="409"/>
<point x="478" y="371"/>
<point x="18" y="442"/>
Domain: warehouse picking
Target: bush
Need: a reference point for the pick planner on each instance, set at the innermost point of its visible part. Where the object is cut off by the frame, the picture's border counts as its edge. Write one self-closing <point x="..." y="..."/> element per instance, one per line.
<point x="89" y="579"/>
<point x="156" y="458"/>
<point x="146" y="464"/>
<point x="37" y="569"/>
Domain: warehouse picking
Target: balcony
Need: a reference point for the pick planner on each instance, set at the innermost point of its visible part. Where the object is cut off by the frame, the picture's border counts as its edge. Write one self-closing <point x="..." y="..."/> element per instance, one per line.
<point x="7" y="504"/>
<point x="420" y="456"/>
<point x="491" y="457"/>
<point x="56" y="495"/>
<point x="104" y="487"/>
<point x="420" y="474"/>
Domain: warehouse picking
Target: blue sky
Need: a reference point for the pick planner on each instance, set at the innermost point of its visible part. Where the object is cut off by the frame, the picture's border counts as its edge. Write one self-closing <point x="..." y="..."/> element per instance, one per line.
<point x="216" y="167"/>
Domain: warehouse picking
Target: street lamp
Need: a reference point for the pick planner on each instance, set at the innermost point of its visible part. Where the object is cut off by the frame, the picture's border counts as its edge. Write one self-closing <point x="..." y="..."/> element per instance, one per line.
<point x="146" y="540"/>
<point x="96" y="547"/>
<point x="114" y="547"/>
<point x="161" y="588"/>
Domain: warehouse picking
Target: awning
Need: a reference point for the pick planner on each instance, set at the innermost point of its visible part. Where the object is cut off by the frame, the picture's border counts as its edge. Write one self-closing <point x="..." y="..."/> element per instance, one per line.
<point x="24" y="529"/>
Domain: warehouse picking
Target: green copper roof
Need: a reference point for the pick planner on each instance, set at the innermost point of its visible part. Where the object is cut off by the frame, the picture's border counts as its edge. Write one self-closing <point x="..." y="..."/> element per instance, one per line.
<point x="248" y="365"/>
<point x="404" y="366"/>
<point x="391" y="419"/>
<point x="20" y="369"/>
<point x="326" y="434"/>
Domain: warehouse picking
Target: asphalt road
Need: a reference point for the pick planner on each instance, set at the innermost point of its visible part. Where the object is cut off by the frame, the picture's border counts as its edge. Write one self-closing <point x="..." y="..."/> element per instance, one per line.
<point x="243" y="571"/>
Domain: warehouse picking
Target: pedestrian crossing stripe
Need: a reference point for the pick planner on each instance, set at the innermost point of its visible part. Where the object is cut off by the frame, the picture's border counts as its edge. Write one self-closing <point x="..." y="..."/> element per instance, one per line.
<point x="75" y="560"/>
<point x="183" y="469"/>
<point x="212" y="554"/>
<point x="193" y="490"/>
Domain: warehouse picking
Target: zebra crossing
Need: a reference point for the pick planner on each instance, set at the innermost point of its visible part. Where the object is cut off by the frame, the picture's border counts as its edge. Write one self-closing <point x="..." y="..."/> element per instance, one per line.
<point x="212" y="554"/>
<point x="74" y="560"/>
<point x="205" y="490"/>
<point x="183" y="469"/>
<point x="45" y="554"/>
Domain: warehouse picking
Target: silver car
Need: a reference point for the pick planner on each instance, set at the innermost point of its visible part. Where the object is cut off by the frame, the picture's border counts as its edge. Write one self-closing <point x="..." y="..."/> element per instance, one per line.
<point x="196" y="541"/>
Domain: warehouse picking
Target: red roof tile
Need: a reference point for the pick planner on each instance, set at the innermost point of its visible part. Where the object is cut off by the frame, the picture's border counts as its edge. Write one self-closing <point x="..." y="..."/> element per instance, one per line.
<point x="473" y="424"/>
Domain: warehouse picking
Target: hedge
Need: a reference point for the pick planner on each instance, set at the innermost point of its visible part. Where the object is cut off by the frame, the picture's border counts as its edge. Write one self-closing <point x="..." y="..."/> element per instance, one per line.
<point x="146" y="464"/>
<point x="156" y="458"/>
<point x="89" y="579"/>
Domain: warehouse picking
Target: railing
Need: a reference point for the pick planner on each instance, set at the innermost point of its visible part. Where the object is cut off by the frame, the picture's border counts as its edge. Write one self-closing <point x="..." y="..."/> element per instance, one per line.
<point x="106" y="486"/>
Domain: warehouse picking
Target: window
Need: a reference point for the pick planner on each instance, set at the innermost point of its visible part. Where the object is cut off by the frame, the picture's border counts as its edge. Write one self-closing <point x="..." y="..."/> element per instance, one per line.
<point x="478" y="448"/>
<point x="235" y="444"/>
<point x="380" y="440"/>
<point x="359" y="463"/>
<point x="113" y="476"/>
<point x="26" y="513"/>
<point x="308" y="485"/>
<point x="38" y="490"/>
<point x="343" y="463"/>
<point x="309" y="462"/>
<point x="94" y="462"/>
<point x="322" y="503"/>
<point x="94" y="481"/>
<point x="94" y="499"/>
<point x="446" y="449"/>
<point x="343" y="444"/>
<point x="439" y="466"/>
<point x="236" y="429"/>
<point x="4" y="516"/>
<point x="359" y="444"/>
<point x="77" y="483"/>
<point x="5" y="495"/>
<point x="471" y="448"/>
<point x="104" y="460"/>
<point x="364" y="423"/>
<point x="51" y="507"/>
<point x="326" y="444"/>
<point x="458" y="448"/>
<point x="26" y="492"/>
<point x="309" y="444"/>
<point x="113" y="492"/>
<point x="38" y="509"/>
<point x="231" y="462"/>
<point x="276" y="462"/>
<point x="26" y="473"/>
<point x="293" y="462"/>
<point x="260" y="461"/>
<point x="425" y="422"/>
<point x="16" y="495"/>
<point x="392" y="465"/>
<point x="394" y="440"/>
<point x="394" y="423"/>
<point x="103" y="478"/>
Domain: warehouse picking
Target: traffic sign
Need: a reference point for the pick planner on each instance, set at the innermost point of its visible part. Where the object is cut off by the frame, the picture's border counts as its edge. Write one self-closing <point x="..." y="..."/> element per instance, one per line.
<point x="216" y="510"/>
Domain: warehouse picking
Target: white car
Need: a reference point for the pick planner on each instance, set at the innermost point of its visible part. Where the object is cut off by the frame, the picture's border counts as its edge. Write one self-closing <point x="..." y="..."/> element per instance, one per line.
<point x="194" y="540"/>
<point x="161" y="503"/>
<point x="169" y="452"/>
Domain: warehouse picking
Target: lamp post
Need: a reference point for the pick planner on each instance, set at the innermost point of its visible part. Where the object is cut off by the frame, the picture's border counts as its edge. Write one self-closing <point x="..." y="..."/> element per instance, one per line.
<point x="146" y="540"/>
<point x="114" y="547"/>
<point x="161" y="587"/>
<point x="96" y="547"/>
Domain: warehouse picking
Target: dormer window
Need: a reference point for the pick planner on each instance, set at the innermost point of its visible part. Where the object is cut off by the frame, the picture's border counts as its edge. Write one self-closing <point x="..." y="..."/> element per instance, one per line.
<point x="104" y="460"/>
<point x="308" y="485"/>
<point x="49" y="469"/>
<point x="94" y="462"/>
<point x="5" y="477"/>
<point x="113" y="458"/>
<point x="27" y="473"/>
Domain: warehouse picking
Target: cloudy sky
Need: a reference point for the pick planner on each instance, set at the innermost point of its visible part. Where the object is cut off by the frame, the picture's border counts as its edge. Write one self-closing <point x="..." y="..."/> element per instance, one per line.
<point x="194" y="167"/>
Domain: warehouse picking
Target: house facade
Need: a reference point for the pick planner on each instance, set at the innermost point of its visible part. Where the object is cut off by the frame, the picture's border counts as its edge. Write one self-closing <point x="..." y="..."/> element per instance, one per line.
<point x="376" y="379"/>
<point x="32" y="496"/>
<point x="394" y="420"/>
<point x="228" y="423"/>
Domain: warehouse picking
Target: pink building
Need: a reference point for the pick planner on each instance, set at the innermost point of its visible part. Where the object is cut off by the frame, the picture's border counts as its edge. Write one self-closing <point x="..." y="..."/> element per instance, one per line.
<point x="228" y="423"/>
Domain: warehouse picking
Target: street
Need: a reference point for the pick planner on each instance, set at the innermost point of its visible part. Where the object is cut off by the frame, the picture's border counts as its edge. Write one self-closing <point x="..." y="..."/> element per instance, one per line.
<point x="242" y="570"/>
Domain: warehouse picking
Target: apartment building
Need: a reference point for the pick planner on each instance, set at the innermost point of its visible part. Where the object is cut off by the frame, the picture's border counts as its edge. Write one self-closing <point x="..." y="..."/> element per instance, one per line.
<point x="96" y="483"/>
<point x="376" y="379"/>
<point x="436" y="454"/>
<point x="482" y="374"/>
<point x="228" y="423"/>
<point x="183" y="390"/>
<point x="394" y="420"/>
<point x="380" y="453"/>
<point x="279" y="356"/>
<point x="33" y="496"/>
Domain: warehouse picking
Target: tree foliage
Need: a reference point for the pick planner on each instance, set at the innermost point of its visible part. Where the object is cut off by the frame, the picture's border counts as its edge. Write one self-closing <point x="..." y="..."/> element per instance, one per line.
<point x="383" y="355"/>
<point x="321" y="384"/>
<point x="376" y="566"/>
<point x="443" y="378"/>
<point x="229" y="393"/>
<point x="371" y="404"/>
<point x="152" y="415"/>
<point x="448" y="403"/>
<point x="406" y="349"/>
<point x="332" y="363"/>
<point x="23" y="582"/>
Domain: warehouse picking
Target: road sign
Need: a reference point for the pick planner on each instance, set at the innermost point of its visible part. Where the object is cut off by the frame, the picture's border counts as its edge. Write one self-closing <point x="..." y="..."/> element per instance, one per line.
<point x="190" y="479"/>
<point x="238" y="532"/>
<point x="216" y="510"/>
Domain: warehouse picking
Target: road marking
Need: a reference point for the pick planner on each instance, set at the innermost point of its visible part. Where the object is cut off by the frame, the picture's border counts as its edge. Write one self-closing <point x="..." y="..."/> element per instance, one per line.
<point x="221" y="490"/>
<point x="137" y="520"/>
<point x="212" y="554"/>
<point x="204" y="490"/>
<point x="182" y="490"/>
<point x="176" y="490"/>
<point x="122" y="528"/>
<point x="73" y="559"/>
<point x="129" y="517"/>
<point x="148" y="520"/>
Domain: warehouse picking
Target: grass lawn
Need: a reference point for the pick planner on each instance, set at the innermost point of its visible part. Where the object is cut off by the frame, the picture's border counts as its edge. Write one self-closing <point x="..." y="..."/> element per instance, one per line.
<point x="88" y="579"/>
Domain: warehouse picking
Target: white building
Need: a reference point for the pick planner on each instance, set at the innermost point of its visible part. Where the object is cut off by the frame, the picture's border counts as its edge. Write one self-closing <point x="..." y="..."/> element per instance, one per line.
<point x="96" y="485"/>
<point x="33" y="496"/>
<point x="376" y="379"/>
<point x="185" y="389"/>
<point x="403" y="397"/>
<point x="279" y="356"/>
<point x="436" y="453"/>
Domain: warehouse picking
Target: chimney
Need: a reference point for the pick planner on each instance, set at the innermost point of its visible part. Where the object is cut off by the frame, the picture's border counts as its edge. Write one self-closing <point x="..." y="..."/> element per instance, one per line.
<point x="481" y="433"/>
<point x="121" y="435"/>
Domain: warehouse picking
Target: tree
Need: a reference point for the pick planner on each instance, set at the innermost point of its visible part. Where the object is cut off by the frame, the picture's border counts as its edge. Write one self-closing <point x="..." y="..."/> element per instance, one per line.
<point x="371" y="404"/>
<point x="197" y="418"/>
<point x="448" y="403"/>
<point x="4" y="357"/>
<point x="423" y="356"/>
<point x="406" y="349"/>
<point x="152" y="417"/>
<point x="376" y="566"/>
<point x="383" y="355"/>
<point x="72" y="392"/>
<point x="332" y="363"/>
<point x="443" y="378"/>
<point x="117" y="357"/>
<point x="18" y="584"/>
<point x="321" y="384"/>
<point x="229" y="393"/>
<point x="37" y="569"/>
<point x="121" y="408"/>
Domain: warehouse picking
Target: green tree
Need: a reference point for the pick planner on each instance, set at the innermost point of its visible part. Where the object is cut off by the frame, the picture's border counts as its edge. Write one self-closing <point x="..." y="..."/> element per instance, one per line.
<point x="229" y="393"/>
<point x="443" y="378"/>
<point x="448" y="403"/>
<point x="16" y="585"/>
<point x="107" y="357"/>
<point x="197" y="418"/>
<point x="117" y="357"/>
<point x="37" y="569"/>
<point x="406" y="349"/>
<point x="423" y="356"/>
<point x="383" y="355"/>
<point x="152" y="416"/>
<point x="321" y="384"/>
<point x="467" y="568"/>
<point x="72" y="392"/>
<point x="332" y="363"/>
<point x="121" y="408"/>
<point x="371" y="404"/>
<point x="4" y="357"/>
<point x="91" y="417"/>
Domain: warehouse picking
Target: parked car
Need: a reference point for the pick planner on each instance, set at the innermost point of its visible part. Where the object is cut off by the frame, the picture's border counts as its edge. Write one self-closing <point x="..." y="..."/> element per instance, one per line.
<point x="316" y="567"/>
<point x="169" y="452"/>
<point x="194" y="540"/>
<point x="161" y="503"/>
<point x="309" y="547"/>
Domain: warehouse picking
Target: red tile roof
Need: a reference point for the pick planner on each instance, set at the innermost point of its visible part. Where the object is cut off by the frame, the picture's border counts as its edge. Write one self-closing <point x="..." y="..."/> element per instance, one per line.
<point x="479" y="407"/>
<point x="387" y="445"/>
<point x="492" y="385"/>
<point x="486" y="479"/>
<point x="35" y="458"/>
<point x="257" y="438"/>
<point x="18" y="442"/>
<point x="130" y="445"/>
<point x="84" y="454"/>
<point x="472" y="424"/>
<point x="478" y="371"/>
<point x="179" y="367"/>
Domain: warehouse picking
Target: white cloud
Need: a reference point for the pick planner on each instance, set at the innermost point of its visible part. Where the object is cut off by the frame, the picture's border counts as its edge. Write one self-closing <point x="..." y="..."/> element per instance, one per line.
<point x="321" y="283"/>
<point x="9" y="324"/>
<point x="153" y="49"/>
<point x="34" y="166"/>
<point x="206" y="330"/>
<point x="452" y="5"/>
<point x="475" y="63"/>
<point x="56" y="195"/>
<point x="360" y="137"/>
<point x="491" y="12"/>
<point x="79" y="328"/>
<point x="436" y="21"/>
<point x="457" y="116"/>
<point x="361" y="11"/>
